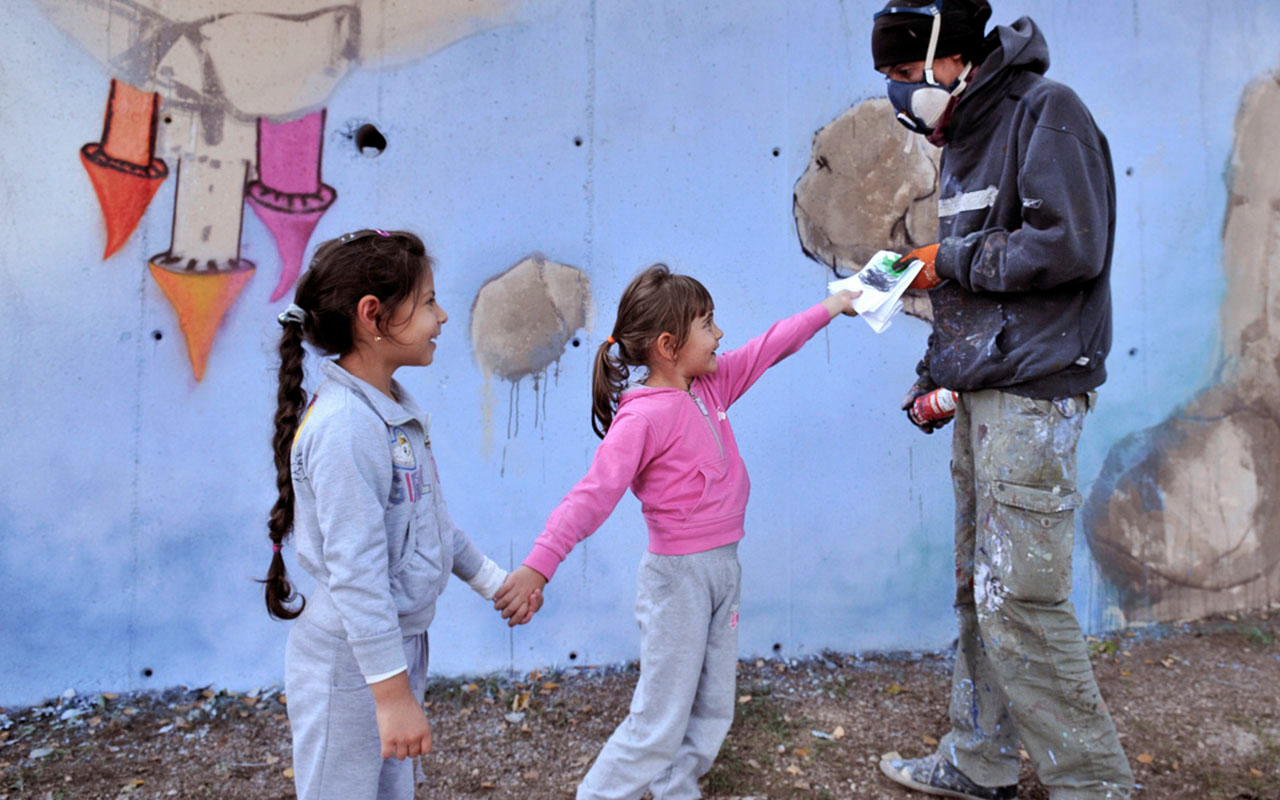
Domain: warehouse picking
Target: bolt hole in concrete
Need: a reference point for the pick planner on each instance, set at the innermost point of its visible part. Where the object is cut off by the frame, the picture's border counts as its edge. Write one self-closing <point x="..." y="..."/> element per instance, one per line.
<point x="576" y="343"/>
<point x="577" y="141"/>
<point x="1128" y="171"/>
<point x="573" y="655"/>
<point x="777" y="151"/>
<point x="168" y="120"/>
<point x="370" y="141"/>
<point x="157" y="335"/>
<point x="147" y="672"/>
<point x="777" y="647"/>
<point x="1133" y="351"/>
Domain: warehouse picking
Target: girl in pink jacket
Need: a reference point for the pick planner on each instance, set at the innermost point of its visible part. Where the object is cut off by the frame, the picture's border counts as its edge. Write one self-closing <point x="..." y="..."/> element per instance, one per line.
<point x="668" y="438"/>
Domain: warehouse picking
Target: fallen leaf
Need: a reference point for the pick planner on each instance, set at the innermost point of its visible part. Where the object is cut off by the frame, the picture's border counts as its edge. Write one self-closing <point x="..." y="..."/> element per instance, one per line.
<point x="486" y="784"/>
<point x="746" y="698"/>
<point x="272" y="759"/>
<point x="208" y="693"/>
<point x="131" y="785"/>
<point x="838" y="733"/>
<point x="284" y="701"/>
<point x="895" y="689"/>
<point x="1024" y="755"/>
<point x="801" y="752"/>
<point x="1146" y="758"/>
<point x="1126" y="673"/>
<point x="249" y="701"/>
<point x="109" y="695"/>
<point x="525" y="728"/>
<point x="793" y="769"/>
<point x="759" y="662"/>
<point x="471" y="688"/>
<point x="288" y="773"/>
<point x="550" y="686"/>
<point x="1257" y="773"/>
<point x="520" y="702"/>
<point x="929" y="740"/>
<point x="95" y="722"/>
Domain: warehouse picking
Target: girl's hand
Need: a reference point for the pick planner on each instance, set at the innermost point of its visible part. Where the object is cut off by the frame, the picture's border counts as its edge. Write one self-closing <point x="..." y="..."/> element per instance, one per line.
<point x="402" y="726"/>
<point x="842" y="303"/>
<point x="520" y="595"/>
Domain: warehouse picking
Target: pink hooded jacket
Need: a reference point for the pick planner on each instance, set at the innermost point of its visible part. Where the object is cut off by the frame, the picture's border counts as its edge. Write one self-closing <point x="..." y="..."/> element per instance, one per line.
<point x="676" y="451"/>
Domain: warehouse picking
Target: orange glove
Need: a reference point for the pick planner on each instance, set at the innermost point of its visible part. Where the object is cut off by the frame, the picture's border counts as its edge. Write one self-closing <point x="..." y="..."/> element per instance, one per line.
<point x="926" y="278"/>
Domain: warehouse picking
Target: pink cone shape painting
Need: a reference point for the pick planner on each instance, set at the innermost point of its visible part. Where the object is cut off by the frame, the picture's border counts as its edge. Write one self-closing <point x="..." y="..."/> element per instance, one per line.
<point x="288" y="196"/>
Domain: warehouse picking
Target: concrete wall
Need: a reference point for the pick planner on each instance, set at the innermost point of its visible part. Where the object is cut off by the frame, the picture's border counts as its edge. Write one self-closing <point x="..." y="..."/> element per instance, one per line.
<point x="549" y="149"/>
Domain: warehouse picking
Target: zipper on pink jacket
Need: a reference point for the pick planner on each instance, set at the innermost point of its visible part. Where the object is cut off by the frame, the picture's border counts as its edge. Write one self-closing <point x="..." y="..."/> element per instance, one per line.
<point x="707" y="417"/>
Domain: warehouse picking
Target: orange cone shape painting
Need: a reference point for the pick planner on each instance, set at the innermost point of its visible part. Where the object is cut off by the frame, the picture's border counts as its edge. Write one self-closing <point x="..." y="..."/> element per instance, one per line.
<point x="201" y="300"/>
<point x="122" y="167"/>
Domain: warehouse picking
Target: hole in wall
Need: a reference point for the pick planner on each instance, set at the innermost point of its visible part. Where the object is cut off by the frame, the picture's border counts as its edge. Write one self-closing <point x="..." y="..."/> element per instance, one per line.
<point x="573" y="655"/>
<point x="577" y="141"/>
<point x="777" y="151"/>
<point x="1128" y="170"/>
<point x="157" y="335"/>
<point x="168" y="119"/>
<point x="1133" y="351"/>
<point x="147" y="672"/>
<point x="777" y="647"/>
<point x="370" y="141"/>
<point x="576" y="343"/>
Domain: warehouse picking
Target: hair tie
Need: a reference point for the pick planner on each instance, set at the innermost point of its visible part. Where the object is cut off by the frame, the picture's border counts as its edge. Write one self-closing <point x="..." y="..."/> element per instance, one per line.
<point x="275" y="548"/>
<point x="292" y="313"/>
<point x="611" y="340"/>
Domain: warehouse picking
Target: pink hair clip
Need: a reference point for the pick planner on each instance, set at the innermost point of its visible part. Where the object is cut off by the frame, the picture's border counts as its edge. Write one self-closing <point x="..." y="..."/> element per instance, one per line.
<point x="381" y="232"/>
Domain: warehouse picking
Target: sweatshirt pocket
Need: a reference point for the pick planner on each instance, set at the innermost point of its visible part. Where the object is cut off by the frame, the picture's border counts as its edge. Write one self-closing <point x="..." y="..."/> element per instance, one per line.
<point x="418" y="577"/>
<point x="710" y="475"/>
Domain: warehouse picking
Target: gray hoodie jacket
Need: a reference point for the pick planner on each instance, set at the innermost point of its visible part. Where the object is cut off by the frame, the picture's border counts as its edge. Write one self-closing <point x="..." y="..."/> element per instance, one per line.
<point x="370" y="523"/>
<point x="1026" y="225"/>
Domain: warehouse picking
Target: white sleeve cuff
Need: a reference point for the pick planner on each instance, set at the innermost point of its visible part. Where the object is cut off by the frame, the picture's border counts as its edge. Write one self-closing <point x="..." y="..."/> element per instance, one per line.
<point x="488" y="579"/>
<point x="382" y="676"/>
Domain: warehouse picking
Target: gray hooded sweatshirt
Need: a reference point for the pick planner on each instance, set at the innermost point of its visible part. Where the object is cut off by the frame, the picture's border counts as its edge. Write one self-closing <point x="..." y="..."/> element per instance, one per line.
<point x="370" y="523"/>
<point x="1026" y="223"/>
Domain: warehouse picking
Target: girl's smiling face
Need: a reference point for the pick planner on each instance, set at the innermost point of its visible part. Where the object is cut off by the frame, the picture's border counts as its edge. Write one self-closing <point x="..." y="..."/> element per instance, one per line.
<point x="414" y="327"/>
<point x="697" y="356"/>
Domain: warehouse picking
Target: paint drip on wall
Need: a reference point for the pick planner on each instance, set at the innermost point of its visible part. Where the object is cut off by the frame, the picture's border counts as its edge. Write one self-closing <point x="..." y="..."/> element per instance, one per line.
<point x="522" y="320"/>
<point x="1185" y="516"/>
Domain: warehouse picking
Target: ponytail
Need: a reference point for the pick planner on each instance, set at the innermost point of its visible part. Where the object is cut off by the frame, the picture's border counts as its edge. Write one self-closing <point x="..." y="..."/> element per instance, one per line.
<point x="656" y="301"/>
<point x="608" y="376"/>
<point x="290" y="403"/>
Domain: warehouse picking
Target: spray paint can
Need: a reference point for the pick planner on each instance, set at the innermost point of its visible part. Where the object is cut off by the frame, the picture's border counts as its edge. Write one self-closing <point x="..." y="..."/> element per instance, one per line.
<point x="936" y="405"/>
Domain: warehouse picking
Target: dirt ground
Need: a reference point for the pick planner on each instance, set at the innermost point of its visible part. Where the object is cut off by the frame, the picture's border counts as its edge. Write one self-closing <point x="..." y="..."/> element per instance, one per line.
<point x="1197" y="705"/>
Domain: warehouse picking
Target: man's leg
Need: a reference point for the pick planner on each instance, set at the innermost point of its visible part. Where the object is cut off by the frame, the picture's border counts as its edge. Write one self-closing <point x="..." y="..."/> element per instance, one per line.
<point x="1025" y="470"/>
<point x="983" y="740"/>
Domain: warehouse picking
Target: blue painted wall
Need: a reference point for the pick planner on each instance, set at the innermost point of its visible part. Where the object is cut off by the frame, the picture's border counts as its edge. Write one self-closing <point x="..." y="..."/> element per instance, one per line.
<point x="134" y="499"/>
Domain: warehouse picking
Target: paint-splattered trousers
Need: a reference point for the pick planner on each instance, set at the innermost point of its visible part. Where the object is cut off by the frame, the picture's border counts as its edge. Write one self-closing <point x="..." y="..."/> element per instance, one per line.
<point x="1022" y="670"/>
<point x="337" y="754"/>
<point x="687" y="608"/>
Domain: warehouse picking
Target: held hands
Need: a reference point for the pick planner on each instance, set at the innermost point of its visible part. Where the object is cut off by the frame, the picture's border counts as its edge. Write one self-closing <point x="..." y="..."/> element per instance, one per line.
<point x="922" y="387"/>
<point x="841" y="303"/>
<point x="927" y="278"/>
<point x="402" y="726"/>
<point x="520" y="596"/>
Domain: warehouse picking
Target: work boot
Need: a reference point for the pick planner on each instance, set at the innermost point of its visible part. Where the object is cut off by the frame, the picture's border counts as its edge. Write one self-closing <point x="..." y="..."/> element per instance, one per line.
<point x="937" y="776"/>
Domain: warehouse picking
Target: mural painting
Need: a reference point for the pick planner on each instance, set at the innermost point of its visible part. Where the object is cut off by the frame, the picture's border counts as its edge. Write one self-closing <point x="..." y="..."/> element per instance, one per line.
<point x="1185" y="516"/>
<point x="230" y="93"/>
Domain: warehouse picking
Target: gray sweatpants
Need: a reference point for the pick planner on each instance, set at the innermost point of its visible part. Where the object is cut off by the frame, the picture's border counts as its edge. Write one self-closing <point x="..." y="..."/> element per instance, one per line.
<point x="1022" y="671"/>
<point x="337" y="754"/>
<point x="687" y="608"/>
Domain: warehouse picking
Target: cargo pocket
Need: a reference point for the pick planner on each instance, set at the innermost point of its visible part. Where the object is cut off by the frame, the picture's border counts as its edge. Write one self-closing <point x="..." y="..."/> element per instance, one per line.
<point x="1038" y="529"/>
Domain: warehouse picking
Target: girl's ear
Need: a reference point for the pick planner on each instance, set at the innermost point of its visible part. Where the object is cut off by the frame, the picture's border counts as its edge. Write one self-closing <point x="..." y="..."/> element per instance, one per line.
<point x="665" y="346"/>
<point x="366" y="321"/>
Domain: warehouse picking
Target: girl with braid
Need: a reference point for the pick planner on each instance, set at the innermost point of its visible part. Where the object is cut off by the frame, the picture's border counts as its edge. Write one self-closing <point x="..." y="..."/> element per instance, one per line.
<point x="360" y="492"/>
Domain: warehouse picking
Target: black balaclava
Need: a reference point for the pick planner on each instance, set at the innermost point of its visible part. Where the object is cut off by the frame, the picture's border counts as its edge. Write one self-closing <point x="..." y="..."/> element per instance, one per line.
<point x="899" y="38"/>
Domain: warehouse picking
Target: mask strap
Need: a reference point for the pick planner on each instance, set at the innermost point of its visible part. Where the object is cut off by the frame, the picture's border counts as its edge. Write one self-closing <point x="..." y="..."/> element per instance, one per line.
<point x="960" y="80"/>
<point x="933" y="44"/>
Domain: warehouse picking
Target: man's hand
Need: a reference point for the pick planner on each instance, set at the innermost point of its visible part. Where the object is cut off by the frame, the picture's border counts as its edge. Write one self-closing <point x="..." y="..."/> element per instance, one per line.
<point x="520" y="595"/>
<point x="402" y="726"/>
<point x="927" y="277"/>
<point x="919" y="389"/>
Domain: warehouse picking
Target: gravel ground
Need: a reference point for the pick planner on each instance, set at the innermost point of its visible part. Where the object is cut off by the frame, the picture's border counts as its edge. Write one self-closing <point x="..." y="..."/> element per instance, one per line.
<point x="1197" y="705"/>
